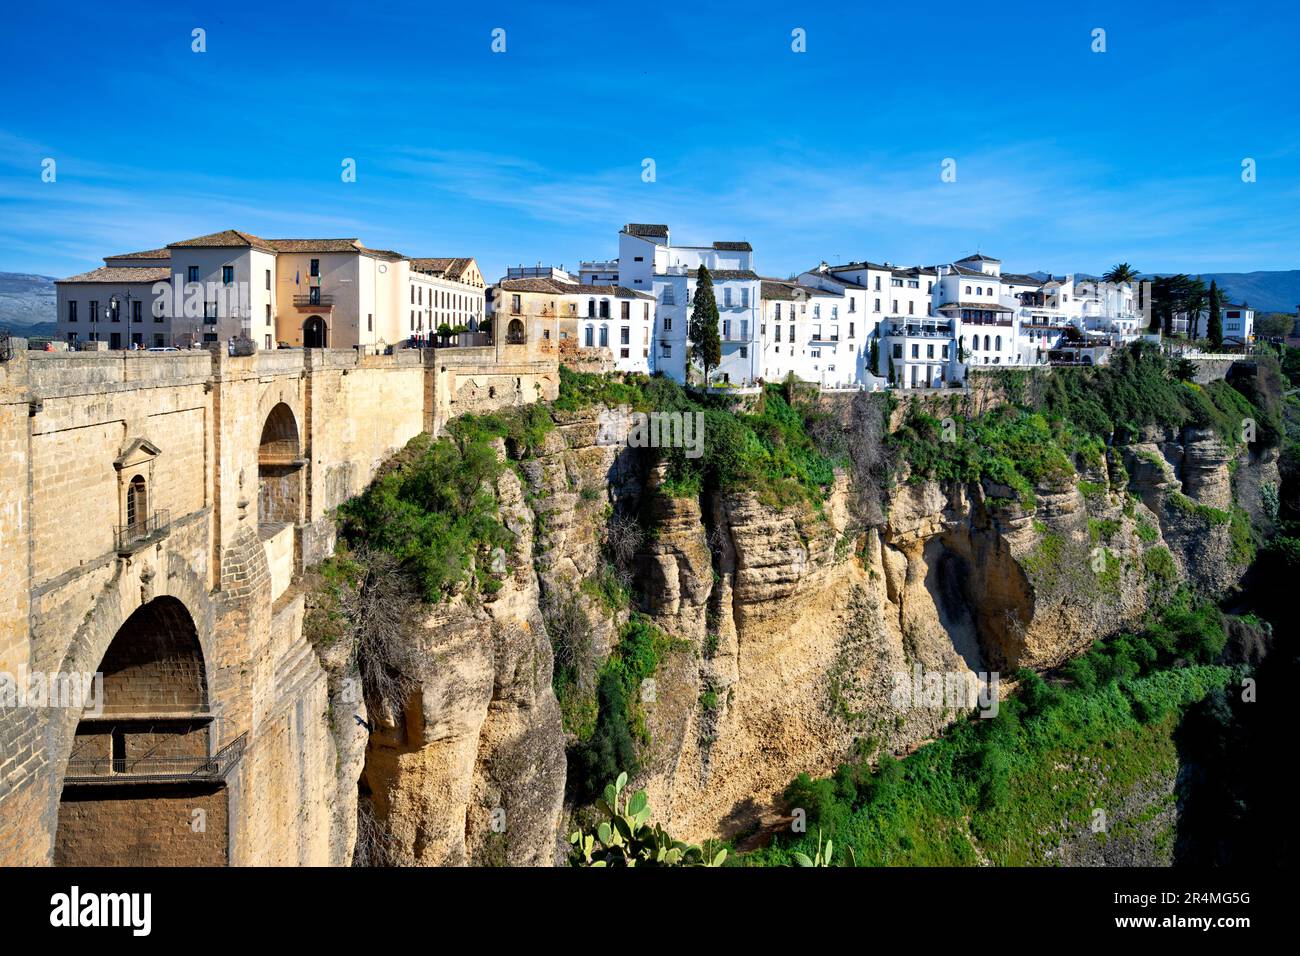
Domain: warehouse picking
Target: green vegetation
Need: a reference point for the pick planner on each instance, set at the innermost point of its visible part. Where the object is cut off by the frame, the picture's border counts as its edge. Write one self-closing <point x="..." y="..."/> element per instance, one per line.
<point x="769" y="449"/>
<point x="611" y="743"/>
<point x="1158" y="565"/>
<point x="626" y="838"/>
<point x="995" y="788"/>
<point x="1139" y="388"/>
<point x="434" y="510"/>
<point x="1010" y="446"/>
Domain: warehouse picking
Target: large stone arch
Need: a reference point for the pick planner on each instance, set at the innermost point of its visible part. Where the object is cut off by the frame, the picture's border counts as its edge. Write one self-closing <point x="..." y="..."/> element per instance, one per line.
<point x="138" y="784"/>
<point x="135" y="584"/>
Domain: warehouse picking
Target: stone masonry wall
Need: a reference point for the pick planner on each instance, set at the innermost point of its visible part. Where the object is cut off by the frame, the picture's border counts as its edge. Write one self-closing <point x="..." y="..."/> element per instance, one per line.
<point x="74" y="429"/>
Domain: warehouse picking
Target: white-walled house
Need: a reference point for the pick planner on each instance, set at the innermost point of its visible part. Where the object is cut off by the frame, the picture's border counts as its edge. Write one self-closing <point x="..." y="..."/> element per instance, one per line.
<point x="648" y="262"/>
<point x="267" y="292"/>
<point x="1238" y="324"/>
<point x="815" y="332"/>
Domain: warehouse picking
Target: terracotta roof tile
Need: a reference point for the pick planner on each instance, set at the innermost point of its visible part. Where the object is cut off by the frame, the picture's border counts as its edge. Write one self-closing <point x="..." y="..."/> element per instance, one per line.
<point x="121" y="274"/>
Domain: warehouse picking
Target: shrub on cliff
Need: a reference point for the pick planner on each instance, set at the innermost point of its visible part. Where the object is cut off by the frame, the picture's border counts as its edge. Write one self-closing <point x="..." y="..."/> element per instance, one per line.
<point x="434" y="509"/>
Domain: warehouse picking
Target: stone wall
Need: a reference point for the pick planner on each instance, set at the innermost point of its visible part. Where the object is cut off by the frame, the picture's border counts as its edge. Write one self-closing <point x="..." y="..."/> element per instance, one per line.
<point x="143" y="826"/>
<point x="75" y="429"/>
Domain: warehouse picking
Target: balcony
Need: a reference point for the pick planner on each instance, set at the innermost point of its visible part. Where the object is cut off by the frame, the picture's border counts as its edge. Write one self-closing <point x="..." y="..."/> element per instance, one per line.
<point x="314" y="303"/>
<point x="130" y="538"/>
<point x="157" y="769"/>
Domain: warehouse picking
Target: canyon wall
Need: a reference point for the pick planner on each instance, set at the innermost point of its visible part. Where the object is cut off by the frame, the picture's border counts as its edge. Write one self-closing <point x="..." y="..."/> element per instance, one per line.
<point x="788" y="623"/>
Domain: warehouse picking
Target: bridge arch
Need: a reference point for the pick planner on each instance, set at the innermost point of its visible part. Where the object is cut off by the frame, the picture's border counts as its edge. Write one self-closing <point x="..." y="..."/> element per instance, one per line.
<point x="140" y="784"/>
<point x="279" y="468"/>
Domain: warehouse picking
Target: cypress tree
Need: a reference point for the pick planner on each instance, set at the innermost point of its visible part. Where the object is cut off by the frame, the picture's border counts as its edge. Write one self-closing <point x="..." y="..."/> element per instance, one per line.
<point x="706" y="344"/>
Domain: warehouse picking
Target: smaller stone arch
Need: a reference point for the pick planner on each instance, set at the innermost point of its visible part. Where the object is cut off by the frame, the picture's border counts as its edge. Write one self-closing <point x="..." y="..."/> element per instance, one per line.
<point x="279" y="468"/>
<point x="515" y="333"/>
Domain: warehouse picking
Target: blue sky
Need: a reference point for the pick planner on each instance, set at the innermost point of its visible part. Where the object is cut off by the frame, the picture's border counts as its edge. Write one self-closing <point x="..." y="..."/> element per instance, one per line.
<point x="1066" y="159"/>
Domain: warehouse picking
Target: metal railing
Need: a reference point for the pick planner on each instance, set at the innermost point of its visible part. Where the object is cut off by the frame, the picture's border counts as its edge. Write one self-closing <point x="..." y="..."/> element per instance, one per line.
<point x="321" y="300"/>
<point x="129" y="537"/>
<point x="157" y="769"/>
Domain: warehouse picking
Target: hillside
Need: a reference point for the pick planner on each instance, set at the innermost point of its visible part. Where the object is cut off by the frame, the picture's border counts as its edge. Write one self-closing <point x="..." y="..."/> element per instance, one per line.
<point x="27" y="300"/>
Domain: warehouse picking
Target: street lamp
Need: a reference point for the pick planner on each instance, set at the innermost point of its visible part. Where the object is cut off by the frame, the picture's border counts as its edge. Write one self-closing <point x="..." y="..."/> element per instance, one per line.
<point x="114" y="302"/>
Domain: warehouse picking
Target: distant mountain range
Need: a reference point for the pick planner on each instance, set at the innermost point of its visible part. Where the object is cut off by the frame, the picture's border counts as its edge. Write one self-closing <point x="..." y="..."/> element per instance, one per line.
<point x="1262" y="291"/>
<point x="27" y="303"/>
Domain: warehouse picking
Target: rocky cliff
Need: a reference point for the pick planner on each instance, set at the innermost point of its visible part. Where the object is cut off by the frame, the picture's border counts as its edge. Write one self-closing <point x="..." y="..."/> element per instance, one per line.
<point x="789" y="625"/>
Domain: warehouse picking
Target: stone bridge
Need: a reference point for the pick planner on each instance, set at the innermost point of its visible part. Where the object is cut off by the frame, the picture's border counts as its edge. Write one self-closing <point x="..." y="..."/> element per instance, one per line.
<point x="158" y="511"/>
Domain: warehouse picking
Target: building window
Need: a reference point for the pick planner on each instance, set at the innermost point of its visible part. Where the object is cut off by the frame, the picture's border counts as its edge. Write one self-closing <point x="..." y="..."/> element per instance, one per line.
<point x="315" y="268"/>
<point x="668" y="295"/>
<point x="604" y="308"/>
<point x="744" y="297"/>
<point x="777" y="328"/>
<point x="726" y="328"/>
<point x="851" y="328"/>
<point x="929" y="351"/>
<point x="227" y="275"/>
<point x="624" y="338"/>
<point x="668" y="323"/>
<point x="916" y="350"/>
<point x="370" y="320"/>
<point x="744" y="351"/>
<point x="137" y="311"/>
<point x="72" y="311"/>
<point x="114" y="310"/>
<point x="898" y="351"/>
<point x="604" y="336"/>
<point x="665" y="350"/>
<point x="590" y="336"/>
<point x="515" y="304"/>
<point x="625" y="311"/>
<point x="94" y="310"/>
<point x="726" y="297"/>
<point x="192" y="274"/>
<point x="313" y="295"/>
<point x="791" y="336"/>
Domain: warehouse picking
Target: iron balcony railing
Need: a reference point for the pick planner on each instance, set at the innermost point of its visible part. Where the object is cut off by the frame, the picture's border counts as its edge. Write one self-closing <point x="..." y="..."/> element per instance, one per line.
<point x="130" y="537"/>
<point x="305" y="300"/>
<point x="157" y="769"/>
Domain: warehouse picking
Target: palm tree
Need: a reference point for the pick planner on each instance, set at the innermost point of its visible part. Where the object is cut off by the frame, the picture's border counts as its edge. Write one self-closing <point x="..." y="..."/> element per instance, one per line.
<point x="1120" y="274"/>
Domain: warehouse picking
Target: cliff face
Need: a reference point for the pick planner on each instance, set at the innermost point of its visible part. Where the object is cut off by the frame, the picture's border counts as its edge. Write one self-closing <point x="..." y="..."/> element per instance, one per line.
<point x="472" y="772"/>
<point x="791" y="625"/>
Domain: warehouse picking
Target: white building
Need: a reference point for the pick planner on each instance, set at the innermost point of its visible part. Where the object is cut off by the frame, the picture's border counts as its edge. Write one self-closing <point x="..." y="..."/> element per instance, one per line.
<point x="1238" y="324"/>
<point x="815" y="332"/>
<point x="648" y="262"/>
